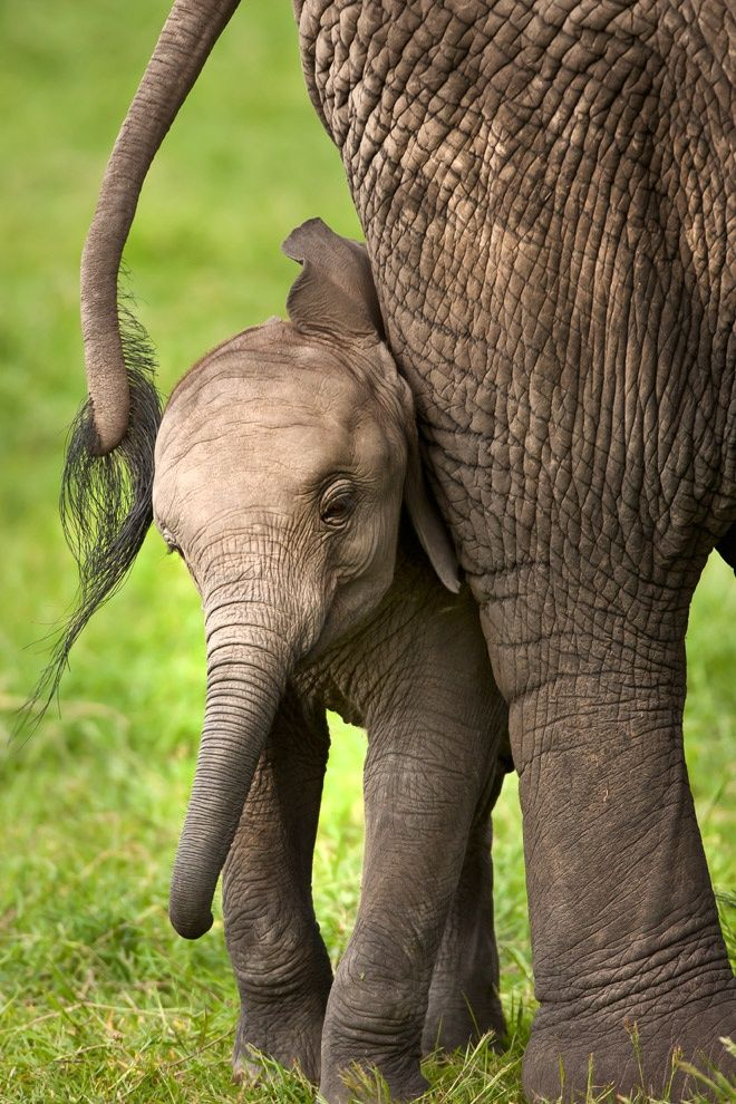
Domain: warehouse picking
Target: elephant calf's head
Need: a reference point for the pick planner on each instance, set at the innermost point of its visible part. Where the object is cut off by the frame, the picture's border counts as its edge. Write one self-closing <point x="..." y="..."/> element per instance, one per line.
<point x="281" y="465"/>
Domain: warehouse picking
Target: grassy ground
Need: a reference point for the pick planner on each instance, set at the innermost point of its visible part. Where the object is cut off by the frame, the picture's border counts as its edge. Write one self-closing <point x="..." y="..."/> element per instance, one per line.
<point x="99" y="1001"/>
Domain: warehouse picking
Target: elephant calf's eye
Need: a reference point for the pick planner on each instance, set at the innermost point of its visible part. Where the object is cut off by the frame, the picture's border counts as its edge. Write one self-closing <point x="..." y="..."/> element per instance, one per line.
<point x="337" y="506"/>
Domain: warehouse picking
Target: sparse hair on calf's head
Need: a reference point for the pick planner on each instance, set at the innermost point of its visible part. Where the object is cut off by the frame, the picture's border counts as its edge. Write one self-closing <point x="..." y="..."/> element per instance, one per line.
<point x="105" y="505"/>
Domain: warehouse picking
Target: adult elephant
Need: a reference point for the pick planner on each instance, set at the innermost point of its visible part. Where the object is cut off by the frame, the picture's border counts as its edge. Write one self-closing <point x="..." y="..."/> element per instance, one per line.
<point x="544" y="189"/>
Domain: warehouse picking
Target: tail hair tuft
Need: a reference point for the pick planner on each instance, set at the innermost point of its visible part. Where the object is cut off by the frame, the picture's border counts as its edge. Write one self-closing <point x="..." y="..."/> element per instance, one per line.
<point x="106" y="508"/>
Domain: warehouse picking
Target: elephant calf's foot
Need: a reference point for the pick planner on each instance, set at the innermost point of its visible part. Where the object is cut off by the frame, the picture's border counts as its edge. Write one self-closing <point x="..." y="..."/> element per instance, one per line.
<point x="353" y="1052"/>
<point x="630" y="1054"/>
<point x="289" y="1032"/>
<point x="354" y="1078"/>
<point x="460" y="1021"/>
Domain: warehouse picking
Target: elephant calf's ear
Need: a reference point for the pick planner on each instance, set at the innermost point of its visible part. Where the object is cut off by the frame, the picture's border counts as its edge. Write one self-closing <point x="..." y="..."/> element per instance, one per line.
<point x="334" y="291"/>
<point x="429" y="526"/>
<point x="422" y="509"/>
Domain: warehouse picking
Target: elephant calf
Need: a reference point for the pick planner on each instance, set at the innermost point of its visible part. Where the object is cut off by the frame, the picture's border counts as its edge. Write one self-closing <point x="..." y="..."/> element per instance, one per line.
<point x="282" y="463"/>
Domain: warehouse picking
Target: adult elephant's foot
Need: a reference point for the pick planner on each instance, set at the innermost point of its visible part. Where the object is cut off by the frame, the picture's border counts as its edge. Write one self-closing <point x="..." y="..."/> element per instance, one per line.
<point x="629" y="1053"/>
<point x="623" y="918"/>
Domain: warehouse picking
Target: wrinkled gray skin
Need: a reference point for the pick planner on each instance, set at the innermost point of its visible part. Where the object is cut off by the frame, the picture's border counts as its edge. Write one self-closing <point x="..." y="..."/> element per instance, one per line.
<point x="544" y="190"/>
<point x="281" y="464"/>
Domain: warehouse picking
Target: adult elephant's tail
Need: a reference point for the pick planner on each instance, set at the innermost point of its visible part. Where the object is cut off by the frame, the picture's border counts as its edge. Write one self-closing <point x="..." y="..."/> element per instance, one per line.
<point x="107" y="485"/>
<point x="186" y="40"/>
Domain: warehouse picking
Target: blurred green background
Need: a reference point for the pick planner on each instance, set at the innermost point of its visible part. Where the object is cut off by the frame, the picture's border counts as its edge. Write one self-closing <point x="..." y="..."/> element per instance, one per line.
<point x="99" y="1000"/>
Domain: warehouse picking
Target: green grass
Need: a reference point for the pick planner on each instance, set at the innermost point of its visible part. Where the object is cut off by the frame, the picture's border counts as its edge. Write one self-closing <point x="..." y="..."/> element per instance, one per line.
<point x="99" y="1000"/>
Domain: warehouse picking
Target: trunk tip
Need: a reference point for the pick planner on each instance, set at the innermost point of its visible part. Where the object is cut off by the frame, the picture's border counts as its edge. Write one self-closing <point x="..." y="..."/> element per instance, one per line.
<point x="188" y="926"/>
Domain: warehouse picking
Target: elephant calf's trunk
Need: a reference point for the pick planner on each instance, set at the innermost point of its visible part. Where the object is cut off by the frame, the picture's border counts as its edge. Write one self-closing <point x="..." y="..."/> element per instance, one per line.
<point x="247" y="672"/>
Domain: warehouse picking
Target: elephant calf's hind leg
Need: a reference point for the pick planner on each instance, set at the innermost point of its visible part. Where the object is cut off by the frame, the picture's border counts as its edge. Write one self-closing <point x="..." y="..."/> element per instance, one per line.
<point x="463" y="997"/>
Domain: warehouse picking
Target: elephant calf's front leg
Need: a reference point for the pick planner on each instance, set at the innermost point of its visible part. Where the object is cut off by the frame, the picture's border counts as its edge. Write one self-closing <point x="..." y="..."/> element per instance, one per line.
<point x="280" y="962"/>
<point x="419" y="805"/>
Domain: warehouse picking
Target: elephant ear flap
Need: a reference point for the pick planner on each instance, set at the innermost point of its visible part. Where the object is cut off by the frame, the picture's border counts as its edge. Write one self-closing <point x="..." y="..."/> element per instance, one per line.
<point x="429" y="526"/>
<point x="422" y="509"/>
<point x="334" y="292"/>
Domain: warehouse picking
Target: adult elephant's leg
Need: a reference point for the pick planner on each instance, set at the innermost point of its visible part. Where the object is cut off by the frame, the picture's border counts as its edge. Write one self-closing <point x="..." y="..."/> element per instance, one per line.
<point x="629" y="960"/>
<point x="278" y="957"/>
<point x="420" y="796"/>
<point x="463" y="996"/>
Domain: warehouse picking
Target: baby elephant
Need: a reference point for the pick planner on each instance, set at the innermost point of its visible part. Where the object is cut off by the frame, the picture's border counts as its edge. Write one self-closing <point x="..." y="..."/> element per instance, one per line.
<point x="282" y="463"/>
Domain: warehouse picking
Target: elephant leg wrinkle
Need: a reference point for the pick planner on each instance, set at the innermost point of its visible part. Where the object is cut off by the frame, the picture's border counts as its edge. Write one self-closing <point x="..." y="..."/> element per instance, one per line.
<point x="630" y="966"/>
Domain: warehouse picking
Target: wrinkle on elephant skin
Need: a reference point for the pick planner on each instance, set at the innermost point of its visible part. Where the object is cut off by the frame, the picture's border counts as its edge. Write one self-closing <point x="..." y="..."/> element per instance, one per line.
<point x="544" y="189"/>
